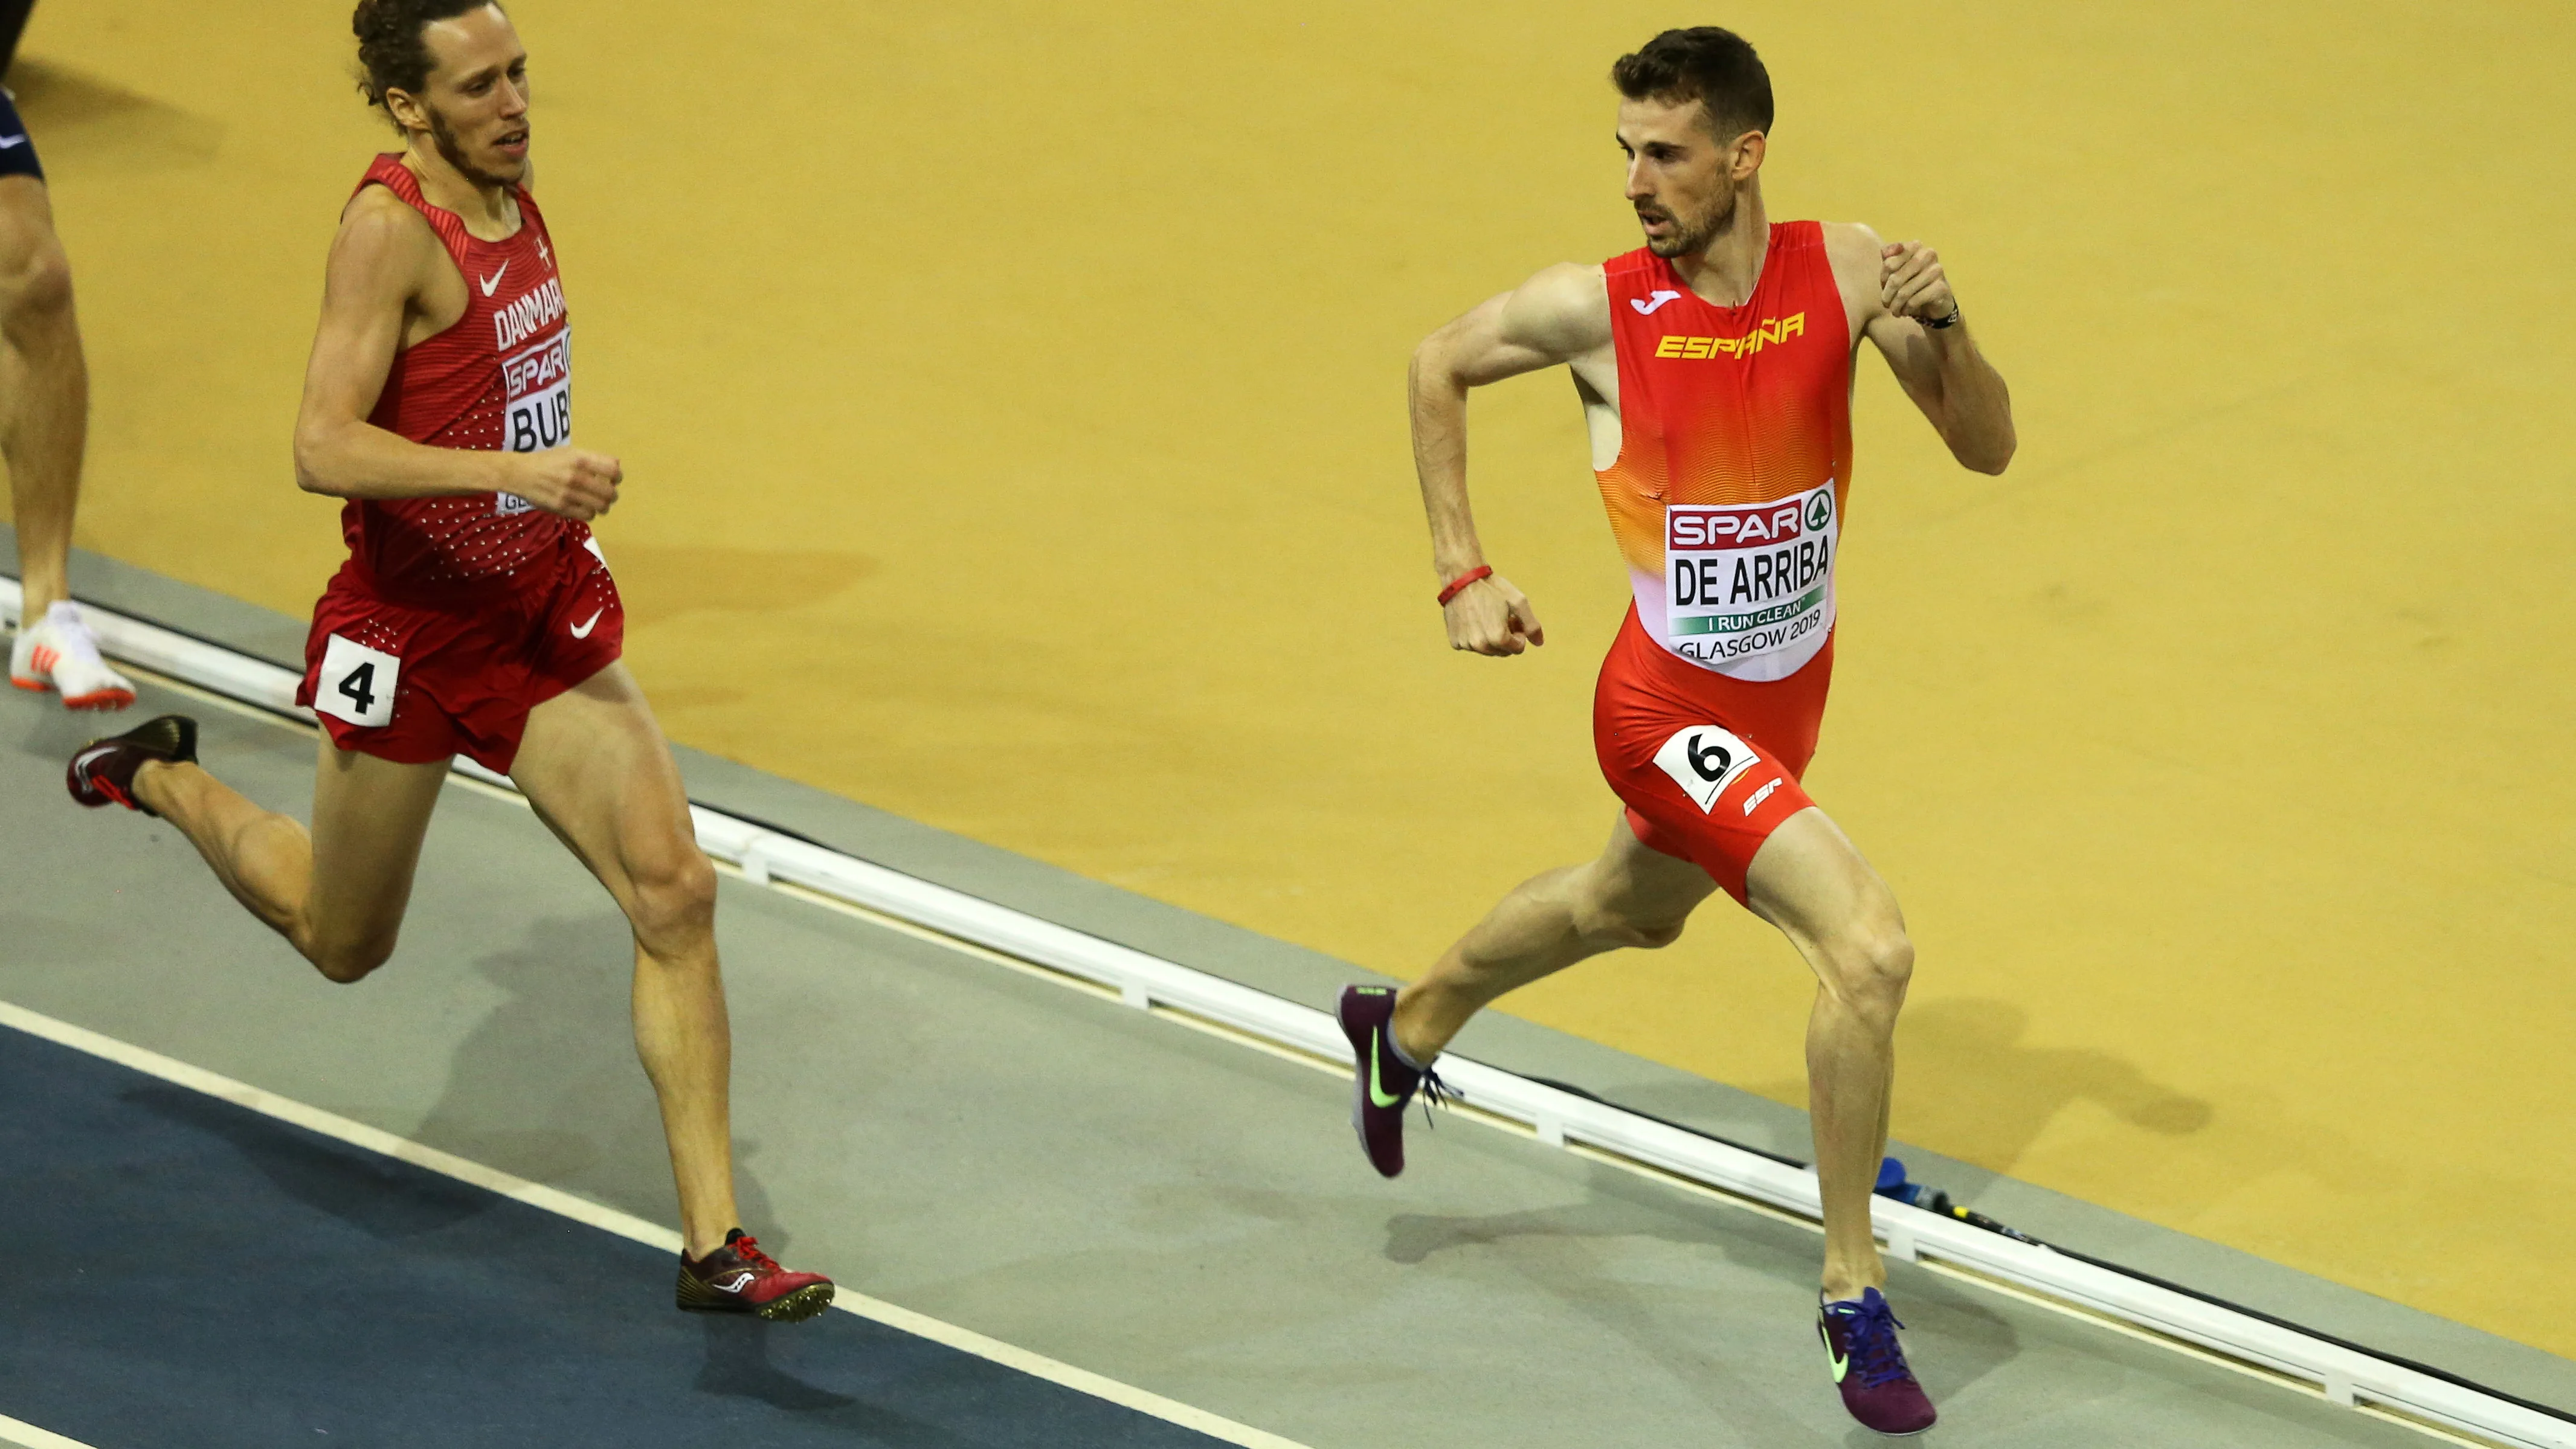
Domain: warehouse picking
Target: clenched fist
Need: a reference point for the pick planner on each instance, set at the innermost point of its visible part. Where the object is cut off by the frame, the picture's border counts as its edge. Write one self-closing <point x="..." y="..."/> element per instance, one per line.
<point x="1912" y="284"/>
<point x="577" y="484"/>
<point x="1489" y="616"/>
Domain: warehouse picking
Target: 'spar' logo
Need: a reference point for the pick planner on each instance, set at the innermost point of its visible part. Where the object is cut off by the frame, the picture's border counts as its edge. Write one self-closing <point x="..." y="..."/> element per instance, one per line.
<point x="1777" y="329"/>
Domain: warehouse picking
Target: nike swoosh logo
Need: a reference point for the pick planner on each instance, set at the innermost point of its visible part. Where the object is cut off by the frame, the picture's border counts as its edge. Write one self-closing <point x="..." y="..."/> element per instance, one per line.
<point x="582" y="629"/>
<point x="1842" y="1365"/>
<point x="17" y="140"/>
<point x="1377" y="1093"/>
<point x="494" y="280"/>
<point x="1644" y="309"/>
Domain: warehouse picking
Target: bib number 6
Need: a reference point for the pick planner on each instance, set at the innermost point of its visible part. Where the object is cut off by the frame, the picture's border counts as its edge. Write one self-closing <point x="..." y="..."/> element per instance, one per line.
<point x="1704" y="760"/>
<point x="356" y="683"/>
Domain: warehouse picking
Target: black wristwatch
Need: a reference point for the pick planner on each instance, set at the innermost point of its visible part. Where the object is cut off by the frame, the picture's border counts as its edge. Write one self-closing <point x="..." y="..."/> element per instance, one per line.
<point x="1947" y="322"/>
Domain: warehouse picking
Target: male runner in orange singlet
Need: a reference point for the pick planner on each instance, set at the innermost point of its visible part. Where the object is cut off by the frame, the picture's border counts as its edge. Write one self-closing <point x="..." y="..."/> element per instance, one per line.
<point x="1715" y="370"/>
<point x="475" y="613"/>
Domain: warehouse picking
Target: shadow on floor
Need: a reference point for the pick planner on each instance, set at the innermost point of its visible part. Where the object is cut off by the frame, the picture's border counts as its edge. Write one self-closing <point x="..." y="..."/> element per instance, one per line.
<point x="1567" y="1253"/>
<point x="547" y="1086"/>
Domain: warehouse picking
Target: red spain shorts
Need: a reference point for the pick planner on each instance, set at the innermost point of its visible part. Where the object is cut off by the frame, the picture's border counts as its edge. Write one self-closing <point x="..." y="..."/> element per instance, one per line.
<point x="1707" y="765"/>
<point x="414" y="684"/>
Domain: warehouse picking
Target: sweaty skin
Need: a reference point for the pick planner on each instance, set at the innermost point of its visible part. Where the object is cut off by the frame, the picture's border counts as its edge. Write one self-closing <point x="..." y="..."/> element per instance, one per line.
<point x="1699" y="202"/>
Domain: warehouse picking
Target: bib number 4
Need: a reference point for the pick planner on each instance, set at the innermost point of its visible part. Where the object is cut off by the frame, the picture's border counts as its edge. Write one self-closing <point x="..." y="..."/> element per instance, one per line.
<point x="356" y="683"/>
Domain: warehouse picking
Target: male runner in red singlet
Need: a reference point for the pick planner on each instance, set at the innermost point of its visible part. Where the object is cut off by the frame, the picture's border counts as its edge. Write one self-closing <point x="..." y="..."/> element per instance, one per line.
<point x="1715" y="370"/>
<point x="475" y="614"/>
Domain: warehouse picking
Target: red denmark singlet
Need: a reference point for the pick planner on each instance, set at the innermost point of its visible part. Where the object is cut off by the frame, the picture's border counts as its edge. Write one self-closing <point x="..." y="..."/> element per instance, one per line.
<point x="1734" y="458"/>
<point x="501" y="378"/>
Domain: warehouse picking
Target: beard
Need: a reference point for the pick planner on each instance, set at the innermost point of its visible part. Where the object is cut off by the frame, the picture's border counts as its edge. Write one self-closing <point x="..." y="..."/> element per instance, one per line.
<point x="444" y="138"/>
<point x="1692" y="235"/>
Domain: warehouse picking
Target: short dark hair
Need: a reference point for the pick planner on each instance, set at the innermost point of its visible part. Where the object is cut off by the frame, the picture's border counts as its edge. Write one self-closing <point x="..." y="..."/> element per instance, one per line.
<point x="393" y="46"/>
<point x="1714" y="67"/>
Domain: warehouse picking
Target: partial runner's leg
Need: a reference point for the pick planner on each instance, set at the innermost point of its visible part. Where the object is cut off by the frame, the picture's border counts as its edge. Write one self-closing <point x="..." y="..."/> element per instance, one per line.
<point x="1629" y="895"/>
<point x="596" y="767"/>
<point x="1811" y="882"/>
<point x="46" y="409"/>
<point x="336" y="895"/>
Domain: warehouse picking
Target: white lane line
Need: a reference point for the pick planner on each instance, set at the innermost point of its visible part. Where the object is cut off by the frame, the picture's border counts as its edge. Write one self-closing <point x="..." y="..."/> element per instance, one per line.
<point x="28" y="1436"/>
<point x="608" y="1219"/>
<point x="2357" y="1380"/>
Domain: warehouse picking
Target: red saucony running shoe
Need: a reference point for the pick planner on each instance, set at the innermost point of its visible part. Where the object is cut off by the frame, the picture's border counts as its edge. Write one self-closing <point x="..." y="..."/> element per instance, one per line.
<point x="739" y="1278"/>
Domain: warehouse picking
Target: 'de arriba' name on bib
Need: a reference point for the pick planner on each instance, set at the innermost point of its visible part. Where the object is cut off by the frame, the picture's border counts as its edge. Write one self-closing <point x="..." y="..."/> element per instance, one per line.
<point x="538" y="386"/>
<point x="1748" y="579"/>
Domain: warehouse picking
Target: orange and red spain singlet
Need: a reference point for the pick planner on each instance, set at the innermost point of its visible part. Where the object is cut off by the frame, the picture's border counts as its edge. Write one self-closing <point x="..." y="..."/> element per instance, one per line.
<point x="1727" y="503"/>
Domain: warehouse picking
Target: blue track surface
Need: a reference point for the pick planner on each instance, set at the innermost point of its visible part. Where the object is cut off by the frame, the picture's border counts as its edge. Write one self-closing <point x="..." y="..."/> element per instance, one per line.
<point x="193" y="1275"/>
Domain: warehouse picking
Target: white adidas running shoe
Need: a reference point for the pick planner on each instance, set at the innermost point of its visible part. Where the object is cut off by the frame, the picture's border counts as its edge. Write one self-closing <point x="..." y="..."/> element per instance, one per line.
<point x="58" y="652"/>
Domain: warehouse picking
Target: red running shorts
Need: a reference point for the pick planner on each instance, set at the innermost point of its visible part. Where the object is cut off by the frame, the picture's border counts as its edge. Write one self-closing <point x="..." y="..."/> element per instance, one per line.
<point x="1707" y="765"/>
<point x="413" y="684"/>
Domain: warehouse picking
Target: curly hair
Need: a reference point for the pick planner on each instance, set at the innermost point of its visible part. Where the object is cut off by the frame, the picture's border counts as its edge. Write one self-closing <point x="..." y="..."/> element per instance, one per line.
<point x="1715" y="67"/>
<point x="393" y="44"/>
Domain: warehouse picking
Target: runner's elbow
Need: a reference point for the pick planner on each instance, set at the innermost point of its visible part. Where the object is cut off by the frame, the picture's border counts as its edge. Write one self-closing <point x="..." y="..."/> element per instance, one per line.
<point x="313" y="471"/>
<point x="1989" y="456"/>
<point x="1439" y="367"/>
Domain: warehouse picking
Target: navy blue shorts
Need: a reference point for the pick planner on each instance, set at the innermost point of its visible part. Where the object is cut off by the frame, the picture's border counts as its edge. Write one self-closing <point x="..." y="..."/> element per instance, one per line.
<point x="17" y="148"/>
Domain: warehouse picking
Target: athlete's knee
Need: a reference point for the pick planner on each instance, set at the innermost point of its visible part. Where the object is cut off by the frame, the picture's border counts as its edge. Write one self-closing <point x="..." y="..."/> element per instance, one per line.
<point x="675" y="894"/>
<point x="35" y="282"/>
<point x="1870" y="963"/>
<point x="349" y="962"/>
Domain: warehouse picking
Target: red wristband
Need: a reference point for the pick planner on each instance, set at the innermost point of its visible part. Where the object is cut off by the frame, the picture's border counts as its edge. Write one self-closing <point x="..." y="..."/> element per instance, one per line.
<point x="1480" y="571"/>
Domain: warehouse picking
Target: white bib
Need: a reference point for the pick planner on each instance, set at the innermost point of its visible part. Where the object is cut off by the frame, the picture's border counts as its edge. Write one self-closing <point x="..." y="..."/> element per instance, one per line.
<point x="1749" y="588"/>
<point x="538" y="386"/>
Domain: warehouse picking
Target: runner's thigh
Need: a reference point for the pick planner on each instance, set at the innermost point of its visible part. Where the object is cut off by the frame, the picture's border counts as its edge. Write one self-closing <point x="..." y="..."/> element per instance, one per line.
<point x="595" y="765"/>
<point x="1812" y="882"/>
<point x="1643" y="883"/>
<point x="369" y="817"/>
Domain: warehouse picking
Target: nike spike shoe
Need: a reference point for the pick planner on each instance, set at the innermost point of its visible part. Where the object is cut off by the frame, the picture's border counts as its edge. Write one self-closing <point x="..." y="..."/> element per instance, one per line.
<point x="59" y="653"/>
<point x="1387" y="1078"/>
<point x="1869" y="1365"/>
<point x="739" y="1278"/>
<point x="103" y="772"/>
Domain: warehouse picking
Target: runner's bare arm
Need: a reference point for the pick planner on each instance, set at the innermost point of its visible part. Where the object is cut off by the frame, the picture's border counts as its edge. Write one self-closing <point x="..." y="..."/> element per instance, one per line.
<point x="1555" y="317"/>
<point x="1903" y="285"/>
<point x="383" y="261"/>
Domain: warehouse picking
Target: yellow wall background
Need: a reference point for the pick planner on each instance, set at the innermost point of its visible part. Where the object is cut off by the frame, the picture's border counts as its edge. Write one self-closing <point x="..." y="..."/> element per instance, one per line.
<point x="1011" y="396"/>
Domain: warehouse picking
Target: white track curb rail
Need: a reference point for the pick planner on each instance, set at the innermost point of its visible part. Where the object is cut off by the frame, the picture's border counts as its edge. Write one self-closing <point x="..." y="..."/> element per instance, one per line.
<point x="1557" y="1117"/>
